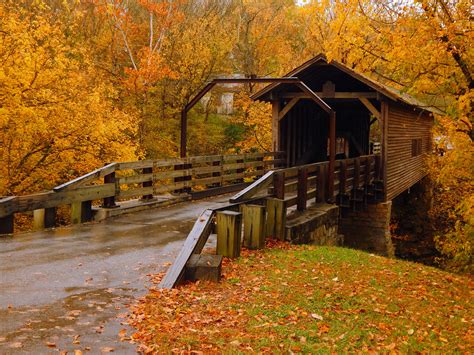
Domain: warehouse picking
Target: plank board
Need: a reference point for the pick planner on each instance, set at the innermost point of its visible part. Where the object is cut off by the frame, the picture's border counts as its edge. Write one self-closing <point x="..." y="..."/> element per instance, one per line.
<point x="251" y="190"/>
<point x="193" y="245"/>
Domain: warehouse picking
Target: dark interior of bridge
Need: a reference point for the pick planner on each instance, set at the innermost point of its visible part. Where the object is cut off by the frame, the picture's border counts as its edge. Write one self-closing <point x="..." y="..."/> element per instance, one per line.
<point x="304" y="131"/>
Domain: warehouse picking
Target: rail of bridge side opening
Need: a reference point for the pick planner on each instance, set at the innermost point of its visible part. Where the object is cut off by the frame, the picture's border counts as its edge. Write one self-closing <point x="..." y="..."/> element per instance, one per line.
<point x="116" y="183"/>
<point x="355" y="180"/>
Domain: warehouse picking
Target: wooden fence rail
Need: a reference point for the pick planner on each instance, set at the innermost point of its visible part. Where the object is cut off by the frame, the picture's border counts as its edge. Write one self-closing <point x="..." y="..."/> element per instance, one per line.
<point x="142" y="179"/>
<point x="297" y="185"/>
<point x="286" y="187"/>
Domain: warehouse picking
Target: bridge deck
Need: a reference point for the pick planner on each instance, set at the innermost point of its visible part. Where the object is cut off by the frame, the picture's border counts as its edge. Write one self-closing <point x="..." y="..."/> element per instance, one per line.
<point x="94" y="269"/>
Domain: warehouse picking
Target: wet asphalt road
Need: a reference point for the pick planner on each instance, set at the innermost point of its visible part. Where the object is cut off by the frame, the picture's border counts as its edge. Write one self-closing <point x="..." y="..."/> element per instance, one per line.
<point x="68" y="289"/>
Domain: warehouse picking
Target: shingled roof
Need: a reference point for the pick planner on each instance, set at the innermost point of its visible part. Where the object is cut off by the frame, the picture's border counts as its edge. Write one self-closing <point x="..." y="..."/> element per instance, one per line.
<point x="385" y="90"/>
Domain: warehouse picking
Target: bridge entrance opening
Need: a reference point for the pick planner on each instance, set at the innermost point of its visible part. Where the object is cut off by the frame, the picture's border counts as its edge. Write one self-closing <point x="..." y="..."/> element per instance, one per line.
<point x="304" y="131"/>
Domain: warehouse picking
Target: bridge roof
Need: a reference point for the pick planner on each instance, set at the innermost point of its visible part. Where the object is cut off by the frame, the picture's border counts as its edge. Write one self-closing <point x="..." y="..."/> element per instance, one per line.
<point x="320" y="68"/>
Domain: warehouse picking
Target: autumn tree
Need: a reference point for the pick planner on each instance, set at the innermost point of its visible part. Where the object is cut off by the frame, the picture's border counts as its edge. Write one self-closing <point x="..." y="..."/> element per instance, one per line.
<point x="55" y="122"/>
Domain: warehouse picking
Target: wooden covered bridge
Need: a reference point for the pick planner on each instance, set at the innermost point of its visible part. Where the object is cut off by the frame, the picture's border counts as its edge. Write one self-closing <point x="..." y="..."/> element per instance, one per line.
<point x="328" y="123"/>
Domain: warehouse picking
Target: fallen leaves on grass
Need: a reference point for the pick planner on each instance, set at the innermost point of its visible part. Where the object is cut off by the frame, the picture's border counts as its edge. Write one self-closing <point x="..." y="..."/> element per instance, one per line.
<point x="304" y="298"/>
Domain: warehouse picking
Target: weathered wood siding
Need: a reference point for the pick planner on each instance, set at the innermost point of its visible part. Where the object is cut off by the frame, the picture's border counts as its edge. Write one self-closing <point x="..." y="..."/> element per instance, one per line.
<point x="402" y="169"/>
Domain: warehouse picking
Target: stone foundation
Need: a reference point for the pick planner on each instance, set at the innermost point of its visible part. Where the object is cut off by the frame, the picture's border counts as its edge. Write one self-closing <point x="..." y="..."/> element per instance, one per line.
<point x="317" y="225"/>
<point x="368" y="230"/>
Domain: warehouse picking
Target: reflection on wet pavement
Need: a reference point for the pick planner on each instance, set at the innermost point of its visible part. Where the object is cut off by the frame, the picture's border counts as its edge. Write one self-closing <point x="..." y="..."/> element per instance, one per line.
<point x="68" y="289"/>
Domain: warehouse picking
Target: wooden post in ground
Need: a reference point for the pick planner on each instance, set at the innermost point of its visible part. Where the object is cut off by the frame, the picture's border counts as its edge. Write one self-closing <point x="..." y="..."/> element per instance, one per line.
<point x="229" y="233"/>
<point x="81" y="212"/>
<point x="44" y="218"/>
<point x="254" y="224"/>
<point x="302" y="196"/>
<point x="6" y="224"/>
<point x="276" y="218"/>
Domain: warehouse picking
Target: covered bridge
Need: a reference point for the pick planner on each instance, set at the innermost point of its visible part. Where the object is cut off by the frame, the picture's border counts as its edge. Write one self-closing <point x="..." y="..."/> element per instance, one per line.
<point x="366" y="116"/>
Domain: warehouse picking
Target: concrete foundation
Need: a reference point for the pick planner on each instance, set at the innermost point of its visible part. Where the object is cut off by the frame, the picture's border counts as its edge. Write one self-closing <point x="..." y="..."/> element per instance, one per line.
<point x="368" y="230"/>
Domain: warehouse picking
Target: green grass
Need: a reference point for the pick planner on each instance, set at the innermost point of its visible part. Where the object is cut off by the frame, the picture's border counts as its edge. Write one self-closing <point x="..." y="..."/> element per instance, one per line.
<point x="314" y="299"/>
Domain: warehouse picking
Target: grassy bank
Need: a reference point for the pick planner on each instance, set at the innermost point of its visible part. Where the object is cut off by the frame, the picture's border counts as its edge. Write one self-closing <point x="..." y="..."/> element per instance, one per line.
<point x="305" y="298"/>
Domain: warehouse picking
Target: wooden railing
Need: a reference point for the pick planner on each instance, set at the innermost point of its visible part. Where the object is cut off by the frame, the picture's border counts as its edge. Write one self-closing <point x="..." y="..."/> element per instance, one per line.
<point x="352" y="178"/>
<point x="298" y="184"/>
<point x="286" y="188"/>
<point x="143" y="179"/>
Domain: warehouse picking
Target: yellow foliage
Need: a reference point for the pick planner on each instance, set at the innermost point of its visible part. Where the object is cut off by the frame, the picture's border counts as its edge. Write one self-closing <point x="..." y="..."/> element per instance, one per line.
<point x="453" y="207"/>
<point x="256" y="117"/>
<point x="55" y="121"/>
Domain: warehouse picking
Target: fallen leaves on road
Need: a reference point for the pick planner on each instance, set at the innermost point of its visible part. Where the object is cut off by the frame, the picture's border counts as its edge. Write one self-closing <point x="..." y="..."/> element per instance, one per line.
<point x="107" y="350"/>
<point x="16" y="345"/>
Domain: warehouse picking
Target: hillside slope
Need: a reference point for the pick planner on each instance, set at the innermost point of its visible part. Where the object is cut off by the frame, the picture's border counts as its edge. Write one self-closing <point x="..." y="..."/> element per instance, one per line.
<point x="306" y="298"/>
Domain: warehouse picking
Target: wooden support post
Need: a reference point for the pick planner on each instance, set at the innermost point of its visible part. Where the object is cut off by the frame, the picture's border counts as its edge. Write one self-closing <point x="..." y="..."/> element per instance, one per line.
<point x="147" y="184"/>
<point x="275" y="125"/>
<point x="187" y="189"/>
<point x="279" y="184"/>
<point x="229" y="233"/>
<point x="356" y="180"/>
<point x="321" y="187"/>
<point x="7" y="224"/>
<point x="302" y="189"/>
<point x="240" y="171"/>
<point x="367" y="173"/>
<point x="109" y="202"/>
<point x="276" y="218"/>
<point x="184" y="132"/>
<point x="81" y="212"/>
<point x="342" y="177"/>
<point x="44" y="218"/>
<point x="260" y="169"/>
<point x="217" y="173"/>
<point x="332" y="155"/>
<point x="183" y="178"/>
<point x="254" y="224"/>
<point x="377" y="169"/>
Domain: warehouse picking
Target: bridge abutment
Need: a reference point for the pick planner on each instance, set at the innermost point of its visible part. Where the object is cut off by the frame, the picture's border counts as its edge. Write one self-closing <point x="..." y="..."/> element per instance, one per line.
<point x="368" y="229"/>
<point x="321" y="224"/>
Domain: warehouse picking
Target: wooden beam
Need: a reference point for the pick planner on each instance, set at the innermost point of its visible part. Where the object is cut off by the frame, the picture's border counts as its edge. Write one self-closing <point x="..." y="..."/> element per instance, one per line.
<point x="287" y="108"/>
<point x="337" y="95"/>
<point x="93" y="175"/>
<point x="332" y="156"/>
<point x="370" y="107"/>
<point x="257" y="186"/>
<point x="275" y="124"/>
<point x="315" y="98"/>
<point x="193" y="244"/>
